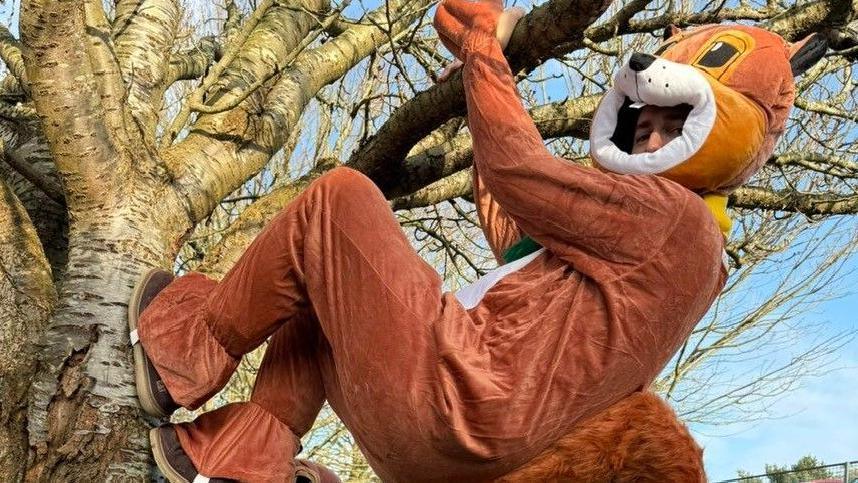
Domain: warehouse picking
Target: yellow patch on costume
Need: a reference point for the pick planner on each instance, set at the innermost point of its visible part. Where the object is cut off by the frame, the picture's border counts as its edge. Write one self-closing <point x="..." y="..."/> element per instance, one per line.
<point x="717" y="204"/>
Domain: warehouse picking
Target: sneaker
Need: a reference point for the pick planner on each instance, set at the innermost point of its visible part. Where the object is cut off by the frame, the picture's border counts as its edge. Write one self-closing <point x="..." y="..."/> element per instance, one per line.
<point x="309" y="472"/>
<point x="151" y="391"/>
<point x="172" y="460"/>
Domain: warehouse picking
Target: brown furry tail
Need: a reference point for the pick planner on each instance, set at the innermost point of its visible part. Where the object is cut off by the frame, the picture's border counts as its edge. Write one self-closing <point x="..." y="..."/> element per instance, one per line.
<point x="638" y="439"/>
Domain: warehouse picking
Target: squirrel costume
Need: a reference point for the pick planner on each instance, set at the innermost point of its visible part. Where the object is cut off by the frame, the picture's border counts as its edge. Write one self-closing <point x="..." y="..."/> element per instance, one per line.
<point x="537" y="372"/>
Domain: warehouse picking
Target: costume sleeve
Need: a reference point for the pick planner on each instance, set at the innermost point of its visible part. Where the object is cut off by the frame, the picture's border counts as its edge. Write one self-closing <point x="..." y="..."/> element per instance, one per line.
<point x="602" y="224"/>
<point x="500" y="230"/>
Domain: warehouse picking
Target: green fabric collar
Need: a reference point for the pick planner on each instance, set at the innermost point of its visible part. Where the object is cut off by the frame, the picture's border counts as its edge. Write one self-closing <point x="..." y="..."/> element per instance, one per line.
<point x="523" y="248"/>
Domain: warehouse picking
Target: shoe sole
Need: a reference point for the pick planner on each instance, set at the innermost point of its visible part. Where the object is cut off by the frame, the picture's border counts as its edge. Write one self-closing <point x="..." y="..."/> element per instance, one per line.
<point x="141" y="373"/>
<point x="161" y="459"/>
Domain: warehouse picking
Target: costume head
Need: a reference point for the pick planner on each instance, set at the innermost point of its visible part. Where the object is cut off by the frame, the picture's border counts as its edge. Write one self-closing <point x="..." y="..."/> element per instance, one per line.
<point x="739" y="83"/>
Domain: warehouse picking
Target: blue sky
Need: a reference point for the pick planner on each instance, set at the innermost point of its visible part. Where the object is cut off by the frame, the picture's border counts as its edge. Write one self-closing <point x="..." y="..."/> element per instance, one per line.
<point x="822" y="422"/>
<point x="820" y="418"/>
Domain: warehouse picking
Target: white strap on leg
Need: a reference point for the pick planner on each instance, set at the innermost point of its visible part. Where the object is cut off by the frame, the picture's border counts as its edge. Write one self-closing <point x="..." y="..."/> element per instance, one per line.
<point x="134" y="337"/>
<point x="200" y="479"/>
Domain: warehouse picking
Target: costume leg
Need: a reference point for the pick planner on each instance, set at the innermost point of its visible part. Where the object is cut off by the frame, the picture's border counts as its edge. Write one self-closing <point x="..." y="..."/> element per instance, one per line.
<point x="336" y="252"/>
<point x="257" y="440"/>
<point x="289" y="384"/>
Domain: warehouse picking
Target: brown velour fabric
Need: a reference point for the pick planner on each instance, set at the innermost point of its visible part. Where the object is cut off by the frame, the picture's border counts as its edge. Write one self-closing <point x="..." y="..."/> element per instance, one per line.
<point x="431" y="391"/>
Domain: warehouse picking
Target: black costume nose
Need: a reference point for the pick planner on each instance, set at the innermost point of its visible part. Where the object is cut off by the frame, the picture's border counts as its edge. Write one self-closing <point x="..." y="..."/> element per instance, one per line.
<point x="640" y="61"/>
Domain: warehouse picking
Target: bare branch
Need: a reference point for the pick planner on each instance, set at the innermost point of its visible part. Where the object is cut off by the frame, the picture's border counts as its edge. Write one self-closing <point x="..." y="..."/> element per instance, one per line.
<point x="535" y="38"/>
<point x="213" y="75"/>
<point x="318" y="67"/>
<point x="453" y="186"/>
<point x="566" y="118"/>
<point x="47" y="181"/>
<point x="143" y="36"/>
<point x="234" y="19"/>
<point x="823" y="108"/>
<point x="831" y="165"/>
<point x="233" y="103"/>
<point x="809" y="204"/>
<point x="10" y="52"/>
<point x="194" y="63"/>
<point x="18" y="112"/>
<point x="825" y="16"/>
<point x="240" y="155"/>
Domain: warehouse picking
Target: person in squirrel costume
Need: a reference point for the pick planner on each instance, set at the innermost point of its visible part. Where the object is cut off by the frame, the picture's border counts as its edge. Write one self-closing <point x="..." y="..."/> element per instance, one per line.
<point x="537" y="372"/>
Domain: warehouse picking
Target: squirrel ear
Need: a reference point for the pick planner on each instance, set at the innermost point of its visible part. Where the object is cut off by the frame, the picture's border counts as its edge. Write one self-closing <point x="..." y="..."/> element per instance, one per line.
<point x="806" y="52"/>
<point x="670" y="31"/>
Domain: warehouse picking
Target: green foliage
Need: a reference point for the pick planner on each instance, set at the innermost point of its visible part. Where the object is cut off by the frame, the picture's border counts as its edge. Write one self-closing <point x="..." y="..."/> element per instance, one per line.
<point x="805" y="469"/>
<point x="802" y="470"/>
<point x="746" y="477"/>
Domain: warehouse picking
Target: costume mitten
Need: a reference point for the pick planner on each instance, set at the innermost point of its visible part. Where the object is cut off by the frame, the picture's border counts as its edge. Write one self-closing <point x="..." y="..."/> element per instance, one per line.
<point x="460" y="22"/>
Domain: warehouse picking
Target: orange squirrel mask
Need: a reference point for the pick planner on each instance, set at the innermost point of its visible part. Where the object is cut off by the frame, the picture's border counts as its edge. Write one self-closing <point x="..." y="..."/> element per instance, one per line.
<point x="739" y="83"/>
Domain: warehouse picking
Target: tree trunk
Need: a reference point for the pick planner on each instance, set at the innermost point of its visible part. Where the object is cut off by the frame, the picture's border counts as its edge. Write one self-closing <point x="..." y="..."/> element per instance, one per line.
<point x="84" y="420"/>
<point x="27" y="298"/>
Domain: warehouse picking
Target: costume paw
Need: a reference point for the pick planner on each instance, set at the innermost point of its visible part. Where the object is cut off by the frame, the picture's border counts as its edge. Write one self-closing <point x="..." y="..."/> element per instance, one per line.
<point x="457" y="20"/>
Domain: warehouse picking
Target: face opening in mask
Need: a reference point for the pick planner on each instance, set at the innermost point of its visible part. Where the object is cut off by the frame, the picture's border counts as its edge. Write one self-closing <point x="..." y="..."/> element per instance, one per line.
<point x="676" y="106"/>
<point x="648" y="128"/>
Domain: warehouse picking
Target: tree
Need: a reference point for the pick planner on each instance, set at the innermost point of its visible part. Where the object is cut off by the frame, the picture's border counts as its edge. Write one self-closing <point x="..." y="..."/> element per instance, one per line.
<point x="164" y="133"/>
<point x="747" y="478"/>
<point x="805" y="469"/>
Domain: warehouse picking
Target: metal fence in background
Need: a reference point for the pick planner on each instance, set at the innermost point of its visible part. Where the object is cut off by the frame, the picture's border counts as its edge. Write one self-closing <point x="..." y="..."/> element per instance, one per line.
<point x="846" y="472"/>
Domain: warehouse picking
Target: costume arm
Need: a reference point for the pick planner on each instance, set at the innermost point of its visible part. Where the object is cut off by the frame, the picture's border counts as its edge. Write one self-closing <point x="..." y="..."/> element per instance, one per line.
<point x="500" y="230"/>
<point x="600" y="223"/>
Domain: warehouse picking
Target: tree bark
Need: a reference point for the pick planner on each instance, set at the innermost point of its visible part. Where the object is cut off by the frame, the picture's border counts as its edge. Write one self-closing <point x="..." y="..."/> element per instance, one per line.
<point x="83" y="420"/>
<point x="27" y="297"/>
<point x="29" y="170"/>
<point x="144" y="33"/>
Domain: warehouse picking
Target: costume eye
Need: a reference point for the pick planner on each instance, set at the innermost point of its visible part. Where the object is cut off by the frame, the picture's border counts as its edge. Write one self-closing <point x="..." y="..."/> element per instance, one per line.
<point x="722" y="54"/>
<point x="717" y="55"/>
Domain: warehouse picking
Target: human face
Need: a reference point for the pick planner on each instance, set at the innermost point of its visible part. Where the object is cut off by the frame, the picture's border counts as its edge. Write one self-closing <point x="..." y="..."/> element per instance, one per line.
<point x="658" y="126"/>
